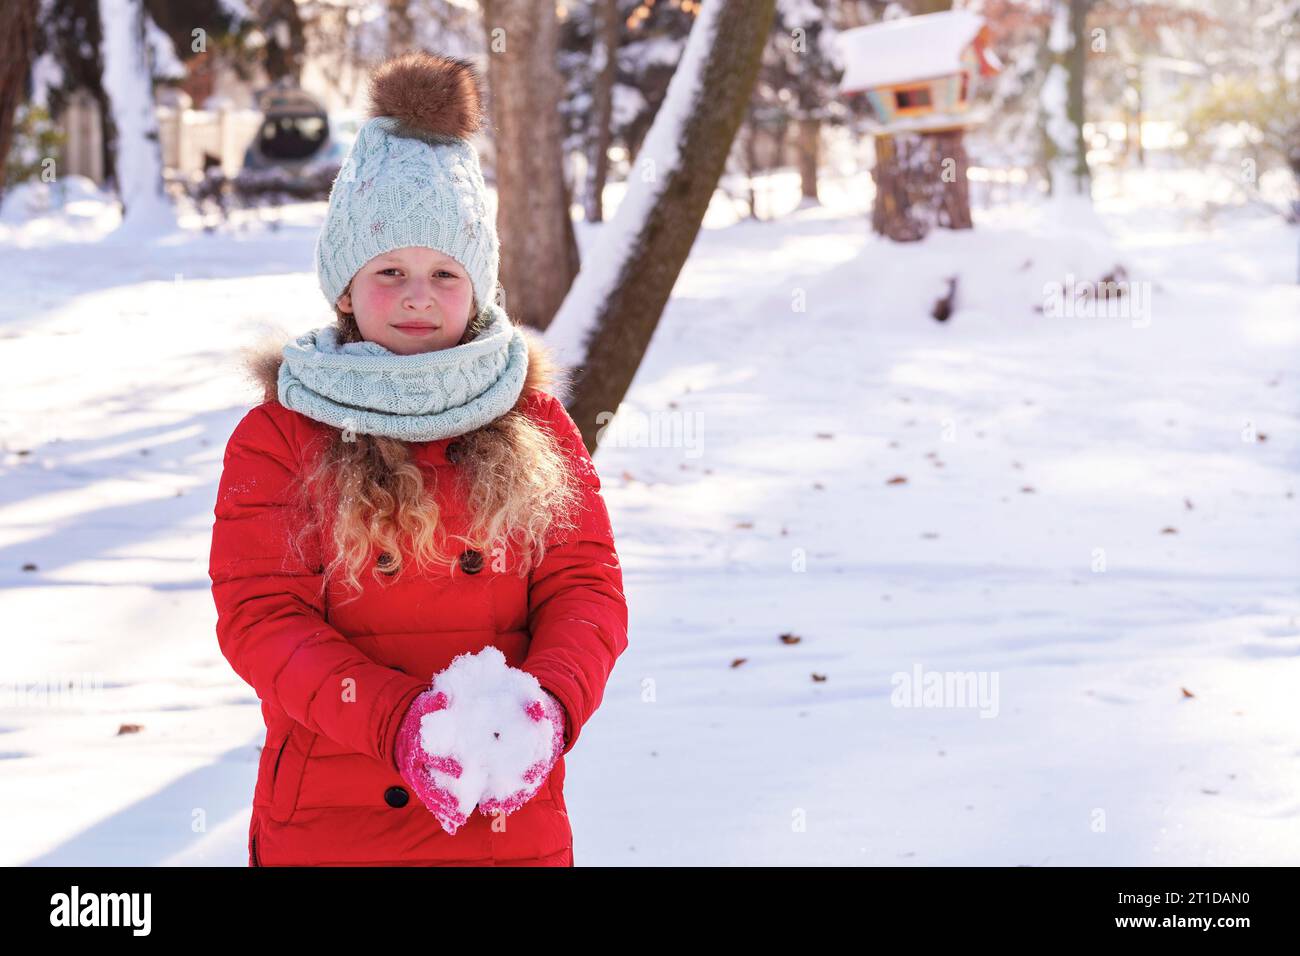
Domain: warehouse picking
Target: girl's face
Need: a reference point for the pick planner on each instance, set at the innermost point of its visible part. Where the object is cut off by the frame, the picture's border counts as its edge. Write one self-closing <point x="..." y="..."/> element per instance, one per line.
<point x="411" y="300"/>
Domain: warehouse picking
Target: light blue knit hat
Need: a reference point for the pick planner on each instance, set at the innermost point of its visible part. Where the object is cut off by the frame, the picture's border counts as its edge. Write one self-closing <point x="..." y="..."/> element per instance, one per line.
<point x="412" y="178"/>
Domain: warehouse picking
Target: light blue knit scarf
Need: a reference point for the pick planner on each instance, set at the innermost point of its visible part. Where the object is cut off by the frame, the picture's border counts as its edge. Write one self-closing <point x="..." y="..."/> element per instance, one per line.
<point x="363" y="387"/>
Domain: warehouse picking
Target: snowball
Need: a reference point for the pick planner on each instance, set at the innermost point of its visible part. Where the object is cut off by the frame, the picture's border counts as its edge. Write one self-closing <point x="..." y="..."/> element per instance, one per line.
<point x="486" y="728"/>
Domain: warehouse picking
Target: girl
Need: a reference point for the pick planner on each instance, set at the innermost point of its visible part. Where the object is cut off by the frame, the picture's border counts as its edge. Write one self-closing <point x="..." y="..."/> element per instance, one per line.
<point x="410" y="490"/>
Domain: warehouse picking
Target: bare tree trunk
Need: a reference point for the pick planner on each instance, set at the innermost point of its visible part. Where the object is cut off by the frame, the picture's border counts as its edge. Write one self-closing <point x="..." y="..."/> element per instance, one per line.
<point x="286" y="40"/>
<point x="920" y="183"/>
<point x="1076" y="61"/>
<point x="401" y="29"/>
<point x="1138" y="117"/>
<point x="628" y="311"/>
<point x="750" y="138"/>
<point x="809" y="149"/>
<point x="892" y="214"/>
<point x="539" y="252"/>
<point x="602" y="106"/>
<point x="1062" y="123"/>
<point x="17" y="37"/>
<point x="1137" y="125"/>
<point x="952" y="184"/>
<point x="851" y="13"/>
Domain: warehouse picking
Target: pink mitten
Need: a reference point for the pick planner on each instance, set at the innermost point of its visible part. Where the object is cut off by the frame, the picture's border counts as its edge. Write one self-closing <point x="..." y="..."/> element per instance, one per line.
<point x="548" y="708"/>
<point x="484" y="735"/>
<point x="416" y="767"/>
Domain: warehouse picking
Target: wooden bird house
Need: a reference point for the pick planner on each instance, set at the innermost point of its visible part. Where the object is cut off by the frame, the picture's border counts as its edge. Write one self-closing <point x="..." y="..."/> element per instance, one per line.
<point x="919" y="75"/>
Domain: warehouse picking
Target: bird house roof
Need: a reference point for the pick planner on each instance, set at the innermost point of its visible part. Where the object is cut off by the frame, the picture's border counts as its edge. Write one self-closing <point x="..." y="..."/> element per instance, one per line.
<point x="911" y="48"/>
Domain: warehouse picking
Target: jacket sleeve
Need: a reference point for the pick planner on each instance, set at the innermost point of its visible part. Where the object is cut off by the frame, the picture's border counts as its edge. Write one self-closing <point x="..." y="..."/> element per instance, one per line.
<point x="577" y="614"/>
<point x="270" y="614"/>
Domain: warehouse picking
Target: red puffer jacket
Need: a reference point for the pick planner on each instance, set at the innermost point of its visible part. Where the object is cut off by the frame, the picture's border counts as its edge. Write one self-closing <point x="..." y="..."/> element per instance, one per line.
<point x="335" y="681"/>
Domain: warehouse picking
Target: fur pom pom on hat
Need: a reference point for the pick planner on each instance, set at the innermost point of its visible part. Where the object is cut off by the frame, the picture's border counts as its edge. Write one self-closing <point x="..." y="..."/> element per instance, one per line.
<point x="412" y="178"/>
<point x="428" y="93"/>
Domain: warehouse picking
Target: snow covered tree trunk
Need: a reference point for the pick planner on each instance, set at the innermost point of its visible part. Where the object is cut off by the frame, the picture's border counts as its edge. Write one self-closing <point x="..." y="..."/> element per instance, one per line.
<point x="610" y="314"/>
<point x="128" y="81"/>
<point x="603" y="68"/>
<point x="1076" y="68"/>
<point x="1062" y="102"/>
<point x="920" y="183"/>
<point x="17" y="39"/>
<point x="539" y="252"/>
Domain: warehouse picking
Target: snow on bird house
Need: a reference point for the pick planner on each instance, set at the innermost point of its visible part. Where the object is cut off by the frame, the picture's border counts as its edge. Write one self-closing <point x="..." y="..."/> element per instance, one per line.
<point x="918" y="73"/>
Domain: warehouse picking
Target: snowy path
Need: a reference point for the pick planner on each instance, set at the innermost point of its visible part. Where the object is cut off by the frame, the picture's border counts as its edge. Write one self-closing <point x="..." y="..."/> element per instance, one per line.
<point x="1090" y="752"/>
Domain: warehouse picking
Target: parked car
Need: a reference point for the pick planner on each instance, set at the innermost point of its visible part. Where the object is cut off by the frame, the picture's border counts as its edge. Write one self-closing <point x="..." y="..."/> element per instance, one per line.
<point x="296" y="152"/>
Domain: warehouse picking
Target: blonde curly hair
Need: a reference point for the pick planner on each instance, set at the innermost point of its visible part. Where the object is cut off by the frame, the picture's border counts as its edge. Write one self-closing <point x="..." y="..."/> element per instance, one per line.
<point x="519" y="487"/>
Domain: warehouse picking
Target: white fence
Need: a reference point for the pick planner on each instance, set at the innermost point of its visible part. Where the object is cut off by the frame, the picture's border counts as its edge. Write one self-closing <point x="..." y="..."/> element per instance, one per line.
<point x="186" y="137"/>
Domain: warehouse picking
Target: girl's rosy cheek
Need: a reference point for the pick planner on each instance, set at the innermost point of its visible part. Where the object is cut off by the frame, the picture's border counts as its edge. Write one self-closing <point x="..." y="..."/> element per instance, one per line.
<point x="458" y="293"/>
<point x="380" y="296"/>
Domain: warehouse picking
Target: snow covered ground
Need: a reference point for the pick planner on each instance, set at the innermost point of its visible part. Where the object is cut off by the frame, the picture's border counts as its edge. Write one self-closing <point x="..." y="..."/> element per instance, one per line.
<point x="1098" y="525"/>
